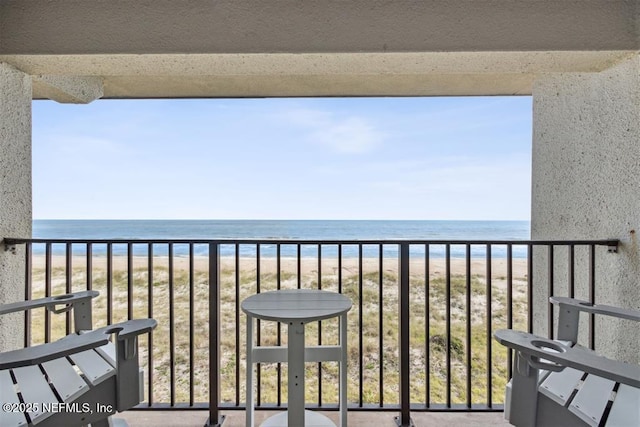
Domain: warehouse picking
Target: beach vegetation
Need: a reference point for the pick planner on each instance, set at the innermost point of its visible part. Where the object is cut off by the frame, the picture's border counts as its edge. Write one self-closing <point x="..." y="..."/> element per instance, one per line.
<point x="463" y="308"/>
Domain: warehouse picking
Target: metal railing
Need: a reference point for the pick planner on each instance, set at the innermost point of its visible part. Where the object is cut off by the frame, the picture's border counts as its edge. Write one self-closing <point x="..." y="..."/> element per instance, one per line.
<point x="420" y="331"/>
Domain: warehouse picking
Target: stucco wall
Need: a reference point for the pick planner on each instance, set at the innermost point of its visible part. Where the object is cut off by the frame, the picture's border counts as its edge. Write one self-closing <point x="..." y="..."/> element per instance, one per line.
<point x="15" y="192"/>
<point x="586" y="185"/>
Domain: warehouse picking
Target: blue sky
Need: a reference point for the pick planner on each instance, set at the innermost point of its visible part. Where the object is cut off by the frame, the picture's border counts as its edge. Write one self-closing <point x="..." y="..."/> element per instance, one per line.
<point x="295" y="158"/>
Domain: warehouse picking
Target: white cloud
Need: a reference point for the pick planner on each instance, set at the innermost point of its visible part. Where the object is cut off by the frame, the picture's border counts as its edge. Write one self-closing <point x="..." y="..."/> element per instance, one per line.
<point x="352" y="134"/>
<point x="456" y="188"/>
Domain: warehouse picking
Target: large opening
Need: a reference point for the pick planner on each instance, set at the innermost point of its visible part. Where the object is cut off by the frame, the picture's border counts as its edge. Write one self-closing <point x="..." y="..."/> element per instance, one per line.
<point x="455" y="158"/>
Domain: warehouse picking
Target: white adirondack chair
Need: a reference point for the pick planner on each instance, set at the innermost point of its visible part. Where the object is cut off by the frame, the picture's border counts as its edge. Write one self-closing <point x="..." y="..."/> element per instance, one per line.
<point x="559" y="383"/>
<point x="81" y="379"/>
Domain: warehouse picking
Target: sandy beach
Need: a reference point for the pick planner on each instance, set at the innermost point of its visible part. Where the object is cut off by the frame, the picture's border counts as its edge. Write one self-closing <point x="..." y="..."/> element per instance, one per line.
<point x="269" y="265"/>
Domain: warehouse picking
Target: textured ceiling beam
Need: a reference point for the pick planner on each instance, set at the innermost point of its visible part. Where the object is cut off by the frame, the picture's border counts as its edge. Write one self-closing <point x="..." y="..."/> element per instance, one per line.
<point x="361" y="74"/>
<point x="413" y="63"/>
<point x="68" y="27"/>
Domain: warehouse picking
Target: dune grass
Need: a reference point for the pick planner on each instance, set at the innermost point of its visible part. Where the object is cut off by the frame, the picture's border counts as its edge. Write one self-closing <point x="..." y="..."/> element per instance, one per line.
<point x="374" y="312"/>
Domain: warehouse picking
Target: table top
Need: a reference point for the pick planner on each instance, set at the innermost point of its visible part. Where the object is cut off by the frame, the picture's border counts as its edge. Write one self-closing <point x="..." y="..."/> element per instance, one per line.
<point x="296" y="305"/>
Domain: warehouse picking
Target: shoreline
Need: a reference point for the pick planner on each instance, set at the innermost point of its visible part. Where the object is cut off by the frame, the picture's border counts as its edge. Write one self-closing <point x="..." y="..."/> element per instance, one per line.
<point x="329" y="265"/>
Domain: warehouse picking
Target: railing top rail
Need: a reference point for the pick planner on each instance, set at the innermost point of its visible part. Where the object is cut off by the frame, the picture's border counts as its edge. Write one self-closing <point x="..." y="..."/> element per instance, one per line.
<point x="598" y="242"/>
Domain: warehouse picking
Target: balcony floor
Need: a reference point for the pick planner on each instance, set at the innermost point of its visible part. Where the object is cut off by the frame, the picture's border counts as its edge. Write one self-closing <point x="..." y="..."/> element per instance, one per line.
<point x="356" y="419"/>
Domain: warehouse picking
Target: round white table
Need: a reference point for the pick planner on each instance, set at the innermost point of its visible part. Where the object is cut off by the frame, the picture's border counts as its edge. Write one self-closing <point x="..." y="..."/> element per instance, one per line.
<point x="295" y="308"/>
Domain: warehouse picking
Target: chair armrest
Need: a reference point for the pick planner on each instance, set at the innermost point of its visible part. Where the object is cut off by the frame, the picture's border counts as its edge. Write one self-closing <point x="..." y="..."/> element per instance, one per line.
<point x="532" y="347"/>
<point x="575" y="304"/>
<point x="130" y="329"/>
<point x="569" y="313"/>
<point x="49" y="302"/>
<point x="74" y="343"/>
<point x="80" y="302"/>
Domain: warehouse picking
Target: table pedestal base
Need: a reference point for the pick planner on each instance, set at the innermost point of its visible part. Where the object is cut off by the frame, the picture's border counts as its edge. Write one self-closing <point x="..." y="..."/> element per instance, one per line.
<point x="295" y="308"/>
<point x="311" y="419"/>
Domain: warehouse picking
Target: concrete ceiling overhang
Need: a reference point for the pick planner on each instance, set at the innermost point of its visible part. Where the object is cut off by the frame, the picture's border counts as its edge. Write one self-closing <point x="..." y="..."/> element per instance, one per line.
<point x="242" y="48"/>
<point x="338" y="74"/>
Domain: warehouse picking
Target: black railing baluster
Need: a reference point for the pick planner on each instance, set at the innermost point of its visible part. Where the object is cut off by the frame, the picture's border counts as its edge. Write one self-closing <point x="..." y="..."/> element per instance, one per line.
<point x="319" y="266"/>
<point x="258" y="334"/>
<point x="172" y="339"/>
<point x="320" y="326"/>
<point x="68" y="282"/>
<point x="509" y="303"/>
<point x="550" y="291"/>
<point x="530" y="288"/>
<point x="279" y="333"/>
<point x="28" y="289"/>
<point x="150" y="347"/>
<point x="404" y="336"/>
<point x="109" y="283"/>
<point x="192" y="348"/>
<point x="381" y="326"/>
<point x="468" y="321"/>
<point x="489" y="336"/>
<point x="572" y="272"/>
<point x="447" y="310"/>
<point x="340" y="268"/>
<point x="214" y="334"/>
<point x="236" y="280"/>
<point x="299" y="265"/>
<point x="592" y="295"/>
<point x="278" y="266"/>
<point x="427" y="323"/>
<point x="89" y="266"/>
<point x="360" y="324"/>
<point x="47" y="291"/>
<point x="129" y="281"/>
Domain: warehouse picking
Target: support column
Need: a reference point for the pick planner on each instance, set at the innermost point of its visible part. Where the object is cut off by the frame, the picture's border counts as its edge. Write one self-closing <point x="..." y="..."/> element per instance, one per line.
<point x="15" y="193"/>
<point x="586" y="185"/>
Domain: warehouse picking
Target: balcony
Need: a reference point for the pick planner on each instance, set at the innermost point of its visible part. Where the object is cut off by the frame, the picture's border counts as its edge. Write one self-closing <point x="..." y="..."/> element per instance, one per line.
<point x="420" y="330"/>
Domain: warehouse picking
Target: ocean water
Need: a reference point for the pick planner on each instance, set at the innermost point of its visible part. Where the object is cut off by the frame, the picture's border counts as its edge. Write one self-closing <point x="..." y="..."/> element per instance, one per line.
<point x="284" y="229"/>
